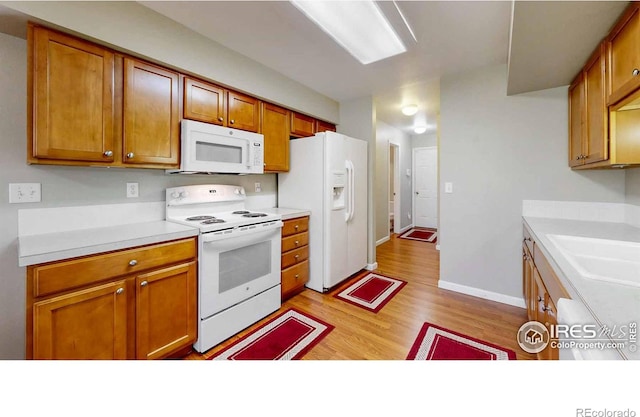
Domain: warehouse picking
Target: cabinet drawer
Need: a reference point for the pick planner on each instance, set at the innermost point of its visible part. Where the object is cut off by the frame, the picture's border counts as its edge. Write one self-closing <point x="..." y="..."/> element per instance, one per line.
<point x="295" y="277"/>
<point x="553" y="285"/>
<point x="294" y="226"/>
<point x="294" y="256"/>
<point x="66" y="275"/>
<point x="295" y="241"/>
<point x="528" y="240"/>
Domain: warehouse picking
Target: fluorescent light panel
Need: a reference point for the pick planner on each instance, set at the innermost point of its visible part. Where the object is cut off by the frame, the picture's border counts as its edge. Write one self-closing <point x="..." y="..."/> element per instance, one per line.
<point x="358" y="26"/>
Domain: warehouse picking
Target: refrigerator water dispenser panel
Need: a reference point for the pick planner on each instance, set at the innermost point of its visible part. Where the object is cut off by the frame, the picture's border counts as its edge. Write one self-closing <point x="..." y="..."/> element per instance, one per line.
<point x="337" y="187"/>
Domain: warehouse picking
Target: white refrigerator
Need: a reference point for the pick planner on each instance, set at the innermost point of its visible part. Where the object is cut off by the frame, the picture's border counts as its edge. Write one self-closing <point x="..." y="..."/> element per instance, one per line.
<point x="328" y="177"/>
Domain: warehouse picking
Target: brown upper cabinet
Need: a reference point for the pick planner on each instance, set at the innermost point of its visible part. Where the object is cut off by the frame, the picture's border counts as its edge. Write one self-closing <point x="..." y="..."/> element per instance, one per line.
<point x="604" y="100"/>
<point x="275" y="128"/>
<point x="322" y="126"/>
<point x="89" y="106"/>
<point x="71" y="94"/>
<point x="623" y="46"/>
<point x="588" y="115"/>
<point x="210" y="103"/>
<point x="151" y="132"/>
<point x="204" y="102"/>
<point x="302" y="125"/>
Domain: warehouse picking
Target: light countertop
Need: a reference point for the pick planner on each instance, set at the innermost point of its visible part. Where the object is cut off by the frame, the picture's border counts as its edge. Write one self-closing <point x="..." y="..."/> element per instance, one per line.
<point x="609" y="303"/>
<point x="36" y="249"/>
<point x="288" y="213"/>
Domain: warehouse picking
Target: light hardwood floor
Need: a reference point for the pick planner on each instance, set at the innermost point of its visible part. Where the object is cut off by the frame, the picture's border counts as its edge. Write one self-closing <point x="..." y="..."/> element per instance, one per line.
<point x="389" y="334"/>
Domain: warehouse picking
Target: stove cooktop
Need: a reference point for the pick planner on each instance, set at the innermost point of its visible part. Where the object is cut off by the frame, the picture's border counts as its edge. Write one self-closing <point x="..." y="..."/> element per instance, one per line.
<point x="210" y="222"/>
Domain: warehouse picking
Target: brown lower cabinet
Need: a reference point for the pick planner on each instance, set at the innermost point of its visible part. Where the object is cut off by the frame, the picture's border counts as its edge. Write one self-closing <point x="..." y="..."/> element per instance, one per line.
<point x="138" y="303"/>
<point x="295" y="256"/>
<point x="541" y="289"/>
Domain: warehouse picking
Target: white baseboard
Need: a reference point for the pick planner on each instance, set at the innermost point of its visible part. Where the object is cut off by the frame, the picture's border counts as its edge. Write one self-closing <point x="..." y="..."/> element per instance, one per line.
<point x="381" y="241"/>
<point x="487" y="295"/>
<point x="371" y="267"/>
<point x="404" y="229"/>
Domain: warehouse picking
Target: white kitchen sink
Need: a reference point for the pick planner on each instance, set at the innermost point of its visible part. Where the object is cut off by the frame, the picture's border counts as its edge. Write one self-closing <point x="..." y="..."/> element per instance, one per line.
<point x="601" y="259"/>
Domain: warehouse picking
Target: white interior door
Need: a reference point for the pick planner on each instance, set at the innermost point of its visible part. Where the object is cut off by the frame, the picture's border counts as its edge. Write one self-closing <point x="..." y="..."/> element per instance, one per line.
<point x="425" y="187"/>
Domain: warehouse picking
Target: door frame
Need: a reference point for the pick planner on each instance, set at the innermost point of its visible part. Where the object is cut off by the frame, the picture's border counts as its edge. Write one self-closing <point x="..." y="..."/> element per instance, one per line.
<point x="396" y="185"/>
<point x="413" y="182"/>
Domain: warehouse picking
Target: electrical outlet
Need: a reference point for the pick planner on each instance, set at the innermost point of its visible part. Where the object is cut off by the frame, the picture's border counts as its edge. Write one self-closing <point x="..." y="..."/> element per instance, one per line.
<point x="132" y="190"/>
<point x="25" y="193"/>
<point x="258" y="187"/>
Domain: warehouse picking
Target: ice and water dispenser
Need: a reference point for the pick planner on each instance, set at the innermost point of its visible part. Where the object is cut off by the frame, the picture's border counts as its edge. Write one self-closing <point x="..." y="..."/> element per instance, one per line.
<point x="338" y="185"/>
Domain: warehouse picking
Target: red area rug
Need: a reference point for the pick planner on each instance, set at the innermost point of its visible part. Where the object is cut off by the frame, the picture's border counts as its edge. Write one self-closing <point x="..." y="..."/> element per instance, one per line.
<point x="437" y="343"/>
<point x="423" y="235"/>
<point x="371" y="292"/>
<point x="285" y="337"/>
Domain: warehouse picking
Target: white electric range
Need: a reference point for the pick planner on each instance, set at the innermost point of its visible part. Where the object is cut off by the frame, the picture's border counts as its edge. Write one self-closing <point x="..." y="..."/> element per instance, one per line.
<point x="238" y="258"/>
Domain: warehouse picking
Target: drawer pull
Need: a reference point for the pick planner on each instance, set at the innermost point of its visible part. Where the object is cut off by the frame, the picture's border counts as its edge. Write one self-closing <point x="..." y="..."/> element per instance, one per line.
<point x="296" y="243"/>
<point x="297" y="276"/>
<point x="119" y="291"/>
<point x="296" y="227"/>
<point x="635" y="72"/>
<point x="133" y="262"/>
<point x="220" y="119"/>
<point x="297" y="256"/>
<point x="540" y="299"/>
<point x="144" y="283"/>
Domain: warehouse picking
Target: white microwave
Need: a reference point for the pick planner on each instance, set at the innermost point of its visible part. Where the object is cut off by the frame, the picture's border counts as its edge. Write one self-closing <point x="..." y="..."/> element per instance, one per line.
<point x="207" y="148"/>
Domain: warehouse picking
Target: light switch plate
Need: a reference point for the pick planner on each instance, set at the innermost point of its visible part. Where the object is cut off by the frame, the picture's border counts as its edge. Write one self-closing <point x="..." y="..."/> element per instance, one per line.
<point x="25" y="193"/>
<point x="258" y="187"/>
<point x="448" y="187"/>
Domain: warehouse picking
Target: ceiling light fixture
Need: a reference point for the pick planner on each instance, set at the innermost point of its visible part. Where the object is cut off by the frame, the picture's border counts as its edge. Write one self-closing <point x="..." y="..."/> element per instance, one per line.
<point x="420" y="129"/>
<point x="410" y="110"/>
<point x="358" y="26"/>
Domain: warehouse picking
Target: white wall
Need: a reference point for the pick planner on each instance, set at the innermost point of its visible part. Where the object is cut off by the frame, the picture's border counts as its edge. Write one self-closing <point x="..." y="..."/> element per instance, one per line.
<point x="386" y="134"/>
<point x="498" y="151"/>
<point x="131" y="27"/>
<point x="358" y="121"/>
<point x="632" y="186"/>
<point x="424" y="140"/>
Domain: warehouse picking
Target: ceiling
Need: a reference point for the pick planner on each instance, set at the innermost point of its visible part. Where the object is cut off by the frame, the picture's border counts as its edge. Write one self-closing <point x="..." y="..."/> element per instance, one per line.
<point x="544" y="43"/>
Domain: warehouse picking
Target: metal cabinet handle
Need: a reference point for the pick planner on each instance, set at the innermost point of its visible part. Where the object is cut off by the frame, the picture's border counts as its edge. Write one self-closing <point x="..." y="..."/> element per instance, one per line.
<point x="119" y="290"/>
<point x="297" y="276"/>
<point x="546" y="308"/>
<point x="130" y="155"/>
<point x="635" y="72"/>
<point x="108" y="154"/>
<point x="296" y="227"/>
<point x="133" y="262"/>
<point x="296" y="243"/>
<point x="220" y="119"/>
<point x="540" y="299"/>
<point x="232" y="121"/>
<point x="297" y="256"/>
<point x="143" y="283"/>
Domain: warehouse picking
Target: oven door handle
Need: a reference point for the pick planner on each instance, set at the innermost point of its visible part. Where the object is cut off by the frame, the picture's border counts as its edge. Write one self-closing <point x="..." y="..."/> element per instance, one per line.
<point x="239" y="232"/>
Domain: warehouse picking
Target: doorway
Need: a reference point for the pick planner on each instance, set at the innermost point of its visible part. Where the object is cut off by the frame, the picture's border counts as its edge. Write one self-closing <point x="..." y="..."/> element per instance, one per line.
<point x="425" y="187"/>
<point x="394" y="188"/>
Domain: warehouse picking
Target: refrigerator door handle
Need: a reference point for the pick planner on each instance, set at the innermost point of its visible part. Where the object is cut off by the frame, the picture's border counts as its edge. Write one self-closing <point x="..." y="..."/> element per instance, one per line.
<point x="352" y="193"/>
<point x="347" y="214"/>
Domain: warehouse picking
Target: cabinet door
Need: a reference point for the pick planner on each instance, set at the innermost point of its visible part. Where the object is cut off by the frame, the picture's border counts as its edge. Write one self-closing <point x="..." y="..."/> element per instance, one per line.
<point x="87" y="324"/>
<point x="324" y="127"/>
<point x="576" y="121"/>
<point x="302" y="126"/>
<point x="151" y="121"/>
<point x="551" y="320"/>
<point x="244" y="112"/>
<point x="72" y="88"/>
<point x="275" y="128"/>
<point x="166" y="310"/>
<point x="204" y="102"/>
<point x="528" y="284"/>
<point x="597" y="116"/>
<point x="624" y="55"/>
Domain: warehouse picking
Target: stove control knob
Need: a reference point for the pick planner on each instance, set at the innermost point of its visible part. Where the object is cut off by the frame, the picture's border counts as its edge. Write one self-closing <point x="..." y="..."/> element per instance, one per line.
<point x="236" y="191"/>
<point x="183" y="194"/>
<point x="242" y="191"/>
<point x="175" y="194"/>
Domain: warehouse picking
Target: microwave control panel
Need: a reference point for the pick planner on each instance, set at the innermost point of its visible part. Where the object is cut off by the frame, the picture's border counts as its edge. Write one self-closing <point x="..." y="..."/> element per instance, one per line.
<point x="257" y="154"/>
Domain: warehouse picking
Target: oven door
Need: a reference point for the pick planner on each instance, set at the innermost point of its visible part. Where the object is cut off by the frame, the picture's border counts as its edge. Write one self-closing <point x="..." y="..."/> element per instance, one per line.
<point x="237" y="267"/>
